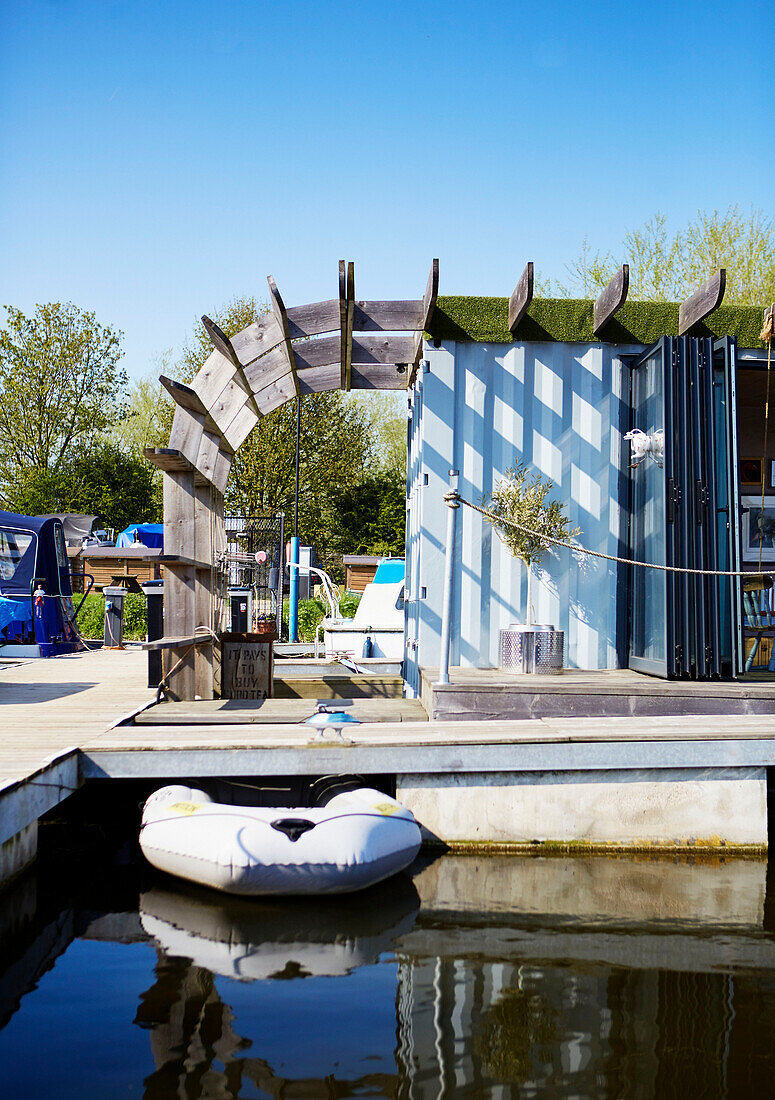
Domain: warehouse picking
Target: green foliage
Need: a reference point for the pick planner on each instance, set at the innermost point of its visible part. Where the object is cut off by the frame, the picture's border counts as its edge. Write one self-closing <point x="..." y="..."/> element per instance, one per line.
<point x="668" y="266"/>
<point x="521" y="498"/>
<point x="61" y="387"/>
<point x="101" y="480"/>
<point x="373" y="514"/>
<point x="485" y="320"/>
<point x="91" y="618"/>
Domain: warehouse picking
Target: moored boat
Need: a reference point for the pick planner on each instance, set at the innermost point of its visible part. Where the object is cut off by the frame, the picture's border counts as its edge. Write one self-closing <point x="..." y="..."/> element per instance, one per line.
<point x="358" y="837"/>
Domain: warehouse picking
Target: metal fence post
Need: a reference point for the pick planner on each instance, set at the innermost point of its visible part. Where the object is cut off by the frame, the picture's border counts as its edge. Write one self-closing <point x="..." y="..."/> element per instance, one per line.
<point x="452" y="500"/>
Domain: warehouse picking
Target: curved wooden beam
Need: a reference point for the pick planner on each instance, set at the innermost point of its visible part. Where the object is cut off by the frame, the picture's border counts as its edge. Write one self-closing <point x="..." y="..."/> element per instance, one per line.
<point x="611" y="299"/>
<point x="521" y="297"/>
<point x="702" y="303"/>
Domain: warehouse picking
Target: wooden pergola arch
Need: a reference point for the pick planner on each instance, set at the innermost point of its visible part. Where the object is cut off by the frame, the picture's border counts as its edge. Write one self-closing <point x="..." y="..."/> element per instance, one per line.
<point x="338" y="344"/>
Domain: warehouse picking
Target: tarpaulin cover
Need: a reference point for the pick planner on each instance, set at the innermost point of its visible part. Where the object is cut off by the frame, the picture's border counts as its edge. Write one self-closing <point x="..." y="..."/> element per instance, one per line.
<point x="149" y="534"/>
<point x="14" y="611"/>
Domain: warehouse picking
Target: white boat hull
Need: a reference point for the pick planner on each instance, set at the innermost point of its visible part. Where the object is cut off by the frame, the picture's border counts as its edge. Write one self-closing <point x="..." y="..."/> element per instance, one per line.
<point x="359" y="838"/>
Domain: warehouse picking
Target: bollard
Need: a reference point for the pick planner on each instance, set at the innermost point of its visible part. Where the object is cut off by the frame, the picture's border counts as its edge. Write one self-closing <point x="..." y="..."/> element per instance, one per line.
<point x="114" y="616"/>
<point x="452" y="500"/>
<point x="154" y="594"/>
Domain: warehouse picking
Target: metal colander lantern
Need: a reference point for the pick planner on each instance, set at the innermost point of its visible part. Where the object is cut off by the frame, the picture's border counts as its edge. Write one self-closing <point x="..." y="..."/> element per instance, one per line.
<point x="534" y="649"/>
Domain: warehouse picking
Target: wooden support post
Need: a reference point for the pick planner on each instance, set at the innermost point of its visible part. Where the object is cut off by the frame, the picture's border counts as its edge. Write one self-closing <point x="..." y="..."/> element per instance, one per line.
<point x="281" y="316"/>
<point x="347" y="334"/>
<point x="611" y="299"/>
<point x="342" y="321"/>
<point x="428" y="306"/>
<point x="205" y="586"/>
<point x="700" y="304"/>
<point x="521" y="297"/>
<point x="180" y="582"/>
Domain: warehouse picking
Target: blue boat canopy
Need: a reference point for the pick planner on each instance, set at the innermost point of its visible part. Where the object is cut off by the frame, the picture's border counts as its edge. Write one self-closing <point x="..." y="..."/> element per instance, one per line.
<point x="148" y="534"/>
<point x="22" y="540"/>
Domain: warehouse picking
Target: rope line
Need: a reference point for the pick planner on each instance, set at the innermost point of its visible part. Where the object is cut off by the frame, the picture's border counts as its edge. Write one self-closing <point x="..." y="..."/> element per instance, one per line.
<point x="500" y="520"/>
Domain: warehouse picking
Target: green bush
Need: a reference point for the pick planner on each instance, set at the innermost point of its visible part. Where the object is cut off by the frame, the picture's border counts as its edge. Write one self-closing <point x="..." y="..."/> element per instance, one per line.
<point x="91" y="617"/>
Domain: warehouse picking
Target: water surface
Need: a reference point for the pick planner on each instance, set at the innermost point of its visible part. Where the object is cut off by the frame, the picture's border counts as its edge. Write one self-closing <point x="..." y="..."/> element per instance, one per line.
<point x="470" y="977"/>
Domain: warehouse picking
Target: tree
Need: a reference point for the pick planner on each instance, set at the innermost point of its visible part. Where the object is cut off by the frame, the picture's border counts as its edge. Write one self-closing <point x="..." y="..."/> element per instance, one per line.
<point x="667" y="266"/>
<point x="61" y="386"/>
<point x="102" y="480"/>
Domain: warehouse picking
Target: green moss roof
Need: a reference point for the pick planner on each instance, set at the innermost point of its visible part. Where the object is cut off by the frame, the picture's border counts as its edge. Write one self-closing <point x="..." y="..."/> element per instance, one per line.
<point x="485" y="320"/>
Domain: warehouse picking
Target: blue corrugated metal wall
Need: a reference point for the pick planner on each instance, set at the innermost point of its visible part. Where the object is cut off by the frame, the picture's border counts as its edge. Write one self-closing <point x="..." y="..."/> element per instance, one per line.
<point x="479" y="408"/>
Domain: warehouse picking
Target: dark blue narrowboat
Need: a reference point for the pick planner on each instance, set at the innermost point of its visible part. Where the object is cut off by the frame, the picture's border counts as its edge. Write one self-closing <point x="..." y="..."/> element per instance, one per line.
<point x="37" y="617"/>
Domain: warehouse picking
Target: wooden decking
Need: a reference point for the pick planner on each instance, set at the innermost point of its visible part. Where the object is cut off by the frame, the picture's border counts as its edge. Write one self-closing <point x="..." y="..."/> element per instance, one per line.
<point x="491" y="694"/>
<point x="52" y="706"/>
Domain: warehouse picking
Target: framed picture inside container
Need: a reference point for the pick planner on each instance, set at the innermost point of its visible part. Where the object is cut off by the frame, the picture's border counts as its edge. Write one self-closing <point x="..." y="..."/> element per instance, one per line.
<point x="750" y="471"/>
<point x="758" y="529"/>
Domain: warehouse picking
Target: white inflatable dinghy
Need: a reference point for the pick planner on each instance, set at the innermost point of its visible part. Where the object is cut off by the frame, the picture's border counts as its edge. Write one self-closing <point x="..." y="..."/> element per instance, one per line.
<point x="357" y="838"/>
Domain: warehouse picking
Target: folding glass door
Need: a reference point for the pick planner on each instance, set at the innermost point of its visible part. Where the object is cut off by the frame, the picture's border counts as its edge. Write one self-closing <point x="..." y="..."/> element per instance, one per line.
<point x="684" y="510"/>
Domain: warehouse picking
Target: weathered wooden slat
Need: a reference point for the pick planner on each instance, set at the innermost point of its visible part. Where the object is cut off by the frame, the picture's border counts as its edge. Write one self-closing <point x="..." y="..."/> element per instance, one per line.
<point x="702" y="303"/>
<point x="211" y="460"/>
<point x="312" y="319"/>
<point x="266" y="371"/>
<point x="257" y="339"/>
<point x="381" y="376"/>
<point x="521" y="297"/>
<point x="180" y="561"/>
<point x="768" y="325"/>
<point x="317" y="353"/>
<point x="365" y="349"/>
<point x="184" y="396"/>
<point x="229" y="348"/>
<point x="321" y="379"/>
<point x="382" y="349"/>
<point x="179" y="642"/>
<point x="277" y="394"/>
<point x="241" y="427"/>
<point x="428" y="306"/>
<point x="611" y="299"/>
<point x="281" y="316"/>
<point x="186" y="433"/>
<point x="212" y="377"/>
<point x="232" y="410"/>
<point x="388" y="316"/>
<point x="220" y="340"/>
<point x="168" y="459"/>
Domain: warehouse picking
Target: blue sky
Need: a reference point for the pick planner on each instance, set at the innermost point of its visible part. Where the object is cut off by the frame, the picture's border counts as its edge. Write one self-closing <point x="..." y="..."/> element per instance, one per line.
<point x="159" y="158"/>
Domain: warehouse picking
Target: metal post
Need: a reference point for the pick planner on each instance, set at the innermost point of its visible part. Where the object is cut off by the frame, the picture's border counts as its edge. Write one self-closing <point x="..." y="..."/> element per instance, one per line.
<point x="293" y="593"/>
<point x="452" y="500"/>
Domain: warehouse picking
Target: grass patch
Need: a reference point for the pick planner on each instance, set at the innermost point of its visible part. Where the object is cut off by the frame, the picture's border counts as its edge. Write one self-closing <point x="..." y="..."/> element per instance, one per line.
<point x="485" y="320"/>
<point x="91" y="618"/>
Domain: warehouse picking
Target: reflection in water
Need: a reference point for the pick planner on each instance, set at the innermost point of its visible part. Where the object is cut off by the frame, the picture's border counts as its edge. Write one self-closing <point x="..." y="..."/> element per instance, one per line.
<point x="195" y="1047"/>
<point x="481" y="977"/>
